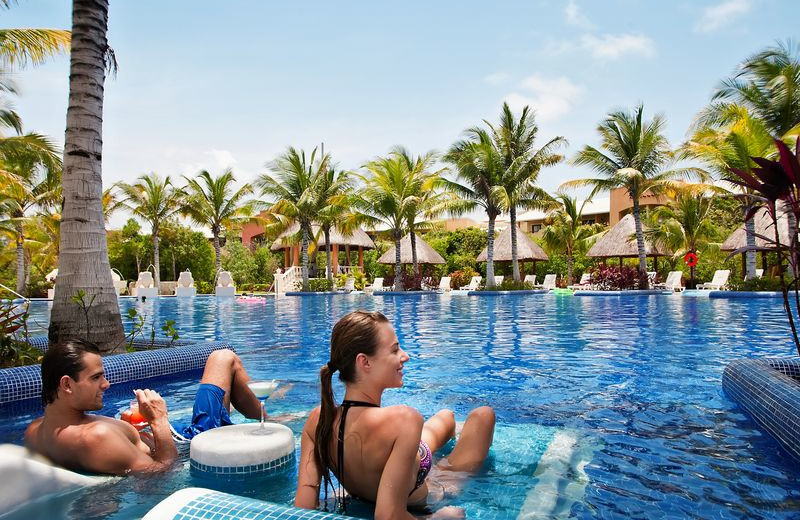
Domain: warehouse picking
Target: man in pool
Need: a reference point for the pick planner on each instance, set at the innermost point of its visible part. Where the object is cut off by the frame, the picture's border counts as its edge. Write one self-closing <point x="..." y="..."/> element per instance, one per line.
<point x="73" y="383"/>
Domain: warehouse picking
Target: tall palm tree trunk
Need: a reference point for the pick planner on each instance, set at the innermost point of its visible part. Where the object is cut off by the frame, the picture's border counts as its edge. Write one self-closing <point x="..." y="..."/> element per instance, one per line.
<point x="328" y="261"/>
<point x="20" y="240"/>
<point x="414" y="252"/>
<point x="490" y="253"/>
<point x="156" y="260"/>
<point x="83" y="252"/>
<point x="217" y="252"/>
<point x="398" y="266"/>
<point x="304" y="247"/>
<point x="792" y="225"/>
<point x="514" y="262"/>
<point x="569" y="267"/>
<point x="637" y="219"/>
<point x="750" y="256"/>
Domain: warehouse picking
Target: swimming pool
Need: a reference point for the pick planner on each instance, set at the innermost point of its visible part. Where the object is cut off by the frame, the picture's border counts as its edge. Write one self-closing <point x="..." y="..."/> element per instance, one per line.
<point x="607" y="407"/>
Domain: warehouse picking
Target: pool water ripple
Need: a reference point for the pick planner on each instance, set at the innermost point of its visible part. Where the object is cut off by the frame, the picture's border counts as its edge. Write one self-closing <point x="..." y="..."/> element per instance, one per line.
<point x="636" y="379"/>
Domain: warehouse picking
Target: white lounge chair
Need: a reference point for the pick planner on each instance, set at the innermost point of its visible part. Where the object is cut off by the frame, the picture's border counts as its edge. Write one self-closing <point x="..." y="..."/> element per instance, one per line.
<point x="225" y="286"/>
<point x="530" y="278"/>
<point x="583" y="284"/>
<point x="474" y="283"/>
<point x="185" y="287"/>
<point x="759" y="274"/>
<point x="549" y="282"/>
<point x="349" y="285"/>
<point x="119" y="283"/>
<point x="444" y="284"/>
<point x="651" y="278"/>
<point x="673" y="282"/>
<point x="377" y="285"/>
<point x="145" y="285"/>
<point x="718" y="283"/>
<point x="498" y="280"/>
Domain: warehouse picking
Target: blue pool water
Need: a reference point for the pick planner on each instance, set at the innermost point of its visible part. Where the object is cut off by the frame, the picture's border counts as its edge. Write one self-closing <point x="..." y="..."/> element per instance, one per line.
<point x="607" y="407"/>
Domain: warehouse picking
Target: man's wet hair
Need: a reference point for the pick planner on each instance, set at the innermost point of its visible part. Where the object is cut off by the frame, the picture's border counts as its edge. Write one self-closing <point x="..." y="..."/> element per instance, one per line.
<point x="63" y="359"/>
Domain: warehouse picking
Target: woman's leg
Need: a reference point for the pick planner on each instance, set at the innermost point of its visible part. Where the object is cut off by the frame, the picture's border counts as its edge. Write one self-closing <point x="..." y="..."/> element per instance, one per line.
<point x="473" y="445"/>
<point x="439" y="429"/>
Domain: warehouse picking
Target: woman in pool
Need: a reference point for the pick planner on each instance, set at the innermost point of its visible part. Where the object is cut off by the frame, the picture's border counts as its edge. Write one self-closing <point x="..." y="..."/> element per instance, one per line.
<point x="382" y="455"/>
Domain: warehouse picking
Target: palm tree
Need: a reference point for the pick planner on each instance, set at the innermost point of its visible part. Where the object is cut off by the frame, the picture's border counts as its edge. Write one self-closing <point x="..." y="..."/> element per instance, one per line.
<point x="732" y="145"/>
<point x="294" y="185"/>
<point x="684" y="225"/>
<point x="389" y="196"/>
<point x="515" y="140"/>
<point x="335" y="201"/>
<point x="566" y="232"/>
<point x="767" y="84"/>
<point x="112" y="202"/>
<point x="33" y="182"/>
<point x="635" y="158"/>
<point x="215" y="204"/>
<point x="155" y="200"/>
<point x="424" y="198"/>
<point x="479" y="170"/>
<point x="83" y="253"/>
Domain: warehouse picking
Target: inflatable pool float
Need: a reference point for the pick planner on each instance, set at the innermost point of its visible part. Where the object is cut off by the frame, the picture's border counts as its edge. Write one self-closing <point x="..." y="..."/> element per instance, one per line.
<point x="251" y="299"/>
<point x="559" y="290"/>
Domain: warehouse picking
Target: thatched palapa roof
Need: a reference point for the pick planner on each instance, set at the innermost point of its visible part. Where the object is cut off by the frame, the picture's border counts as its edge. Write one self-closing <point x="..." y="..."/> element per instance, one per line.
<point x="765" y="227"/>
<point x="527" y="249"/>
<point x="425" y="253"/>
<point x="620" y="241"/>
<point x="356" y="239"/>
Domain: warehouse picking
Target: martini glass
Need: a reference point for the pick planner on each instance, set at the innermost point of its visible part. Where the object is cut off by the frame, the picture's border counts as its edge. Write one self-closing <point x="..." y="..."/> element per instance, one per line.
<point x="262" y="390"/>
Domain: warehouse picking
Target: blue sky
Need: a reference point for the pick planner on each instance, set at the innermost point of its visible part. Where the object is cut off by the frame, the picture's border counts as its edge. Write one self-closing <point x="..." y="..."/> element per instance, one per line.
<point x="207" y="85"/>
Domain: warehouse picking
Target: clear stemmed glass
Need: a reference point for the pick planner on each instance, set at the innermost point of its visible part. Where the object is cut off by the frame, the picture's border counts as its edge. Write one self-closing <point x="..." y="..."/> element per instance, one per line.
<point x="262" y="390"/>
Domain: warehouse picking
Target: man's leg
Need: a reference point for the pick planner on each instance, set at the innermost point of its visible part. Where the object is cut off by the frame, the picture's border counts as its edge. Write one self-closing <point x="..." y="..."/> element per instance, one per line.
<point x="225" y="370"/>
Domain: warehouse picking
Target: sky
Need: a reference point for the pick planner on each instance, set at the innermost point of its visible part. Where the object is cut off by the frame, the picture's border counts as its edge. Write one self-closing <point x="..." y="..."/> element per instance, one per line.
<point x="212" y="85"/>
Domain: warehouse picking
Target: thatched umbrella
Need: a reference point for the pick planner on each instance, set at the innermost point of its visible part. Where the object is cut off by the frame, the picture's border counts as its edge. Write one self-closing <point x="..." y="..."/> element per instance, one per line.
<point x="425" y="253"/>
<point x="620" y="242"/>
<point x="764" y="227"/>
<point x="357" y="239"/>
<point x="527" y="249"/>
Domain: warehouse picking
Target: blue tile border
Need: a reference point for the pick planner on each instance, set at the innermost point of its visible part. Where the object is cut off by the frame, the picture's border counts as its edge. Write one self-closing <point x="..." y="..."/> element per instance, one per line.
<point x="507" y="293"/>
<point x="20" y="383"/>
<point x="266" y="468"/>
<point x="407" y="293"/>
<point x="769" y="391"/>
<point x="745" y="294"/>
<point x="321" y="293"/>
<point x="632" y="292"/>
<point x="223" y="506"/>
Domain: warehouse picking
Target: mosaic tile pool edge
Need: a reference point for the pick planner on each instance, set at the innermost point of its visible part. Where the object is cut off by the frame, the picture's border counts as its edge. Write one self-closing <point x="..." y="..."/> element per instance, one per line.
<point x="275" y="466"/>
<point x="20" y="383"/>
<point x="224" y="506"/>
<point x="769" y="391"/>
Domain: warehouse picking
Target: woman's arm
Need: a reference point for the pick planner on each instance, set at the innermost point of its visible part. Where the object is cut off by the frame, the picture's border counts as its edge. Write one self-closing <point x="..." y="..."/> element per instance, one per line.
<point x="310" y="475"/>
<point x="392" y="500"/>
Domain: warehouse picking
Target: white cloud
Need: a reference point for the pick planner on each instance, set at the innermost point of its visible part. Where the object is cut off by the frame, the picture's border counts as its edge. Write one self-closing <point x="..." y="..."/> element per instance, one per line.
<point x="614" y="46"/>
<point x="497" y="78"/>
<point x="722" y="14"/>
<point x="549" y="97"/>
<point x="224" y="158"/>
<point x="576" y="17"/>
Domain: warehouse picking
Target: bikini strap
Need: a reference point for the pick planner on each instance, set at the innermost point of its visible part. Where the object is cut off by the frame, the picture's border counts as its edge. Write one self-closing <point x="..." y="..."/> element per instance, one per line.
<point x="346" y="405"/>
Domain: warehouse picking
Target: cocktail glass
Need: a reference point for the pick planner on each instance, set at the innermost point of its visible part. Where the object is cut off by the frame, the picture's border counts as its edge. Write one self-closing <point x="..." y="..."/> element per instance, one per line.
<point x="262" y="390"/>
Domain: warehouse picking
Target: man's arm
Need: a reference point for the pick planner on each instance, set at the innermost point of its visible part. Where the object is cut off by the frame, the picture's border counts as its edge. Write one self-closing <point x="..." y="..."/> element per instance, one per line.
<point x="154" y="410"/>
<point x="108" y="450"/>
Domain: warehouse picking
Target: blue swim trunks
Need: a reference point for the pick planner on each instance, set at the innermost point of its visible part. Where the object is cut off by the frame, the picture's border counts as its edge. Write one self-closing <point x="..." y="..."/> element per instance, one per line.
<point x="209" y="411"/>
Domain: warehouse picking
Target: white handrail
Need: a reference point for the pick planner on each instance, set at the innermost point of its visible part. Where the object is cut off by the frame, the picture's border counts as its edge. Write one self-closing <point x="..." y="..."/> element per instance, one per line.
<point x="15" y="293"/>
<point x="288" y="280"/>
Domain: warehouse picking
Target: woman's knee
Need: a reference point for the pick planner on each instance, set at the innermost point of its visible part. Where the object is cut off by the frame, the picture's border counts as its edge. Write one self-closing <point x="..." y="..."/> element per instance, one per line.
<point x="484" y="414"/>
<point x="447" y="416"/>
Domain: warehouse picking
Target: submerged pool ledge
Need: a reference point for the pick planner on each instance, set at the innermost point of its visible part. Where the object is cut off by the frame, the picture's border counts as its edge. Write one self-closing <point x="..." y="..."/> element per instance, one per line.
<point x="504" y="293"/>
<point x="769" y="391"/>
<point x="633" y="292"/>
<point x="745" y="294"/>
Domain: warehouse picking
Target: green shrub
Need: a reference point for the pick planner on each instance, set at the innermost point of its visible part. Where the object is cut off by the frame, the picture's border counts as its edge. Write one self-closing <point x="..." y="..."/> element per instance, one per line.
<point x="320" y="285"/>
<point x="204" y="287"/>
<point x="510" y="285"/>
<point x="757" y="284"/>
<point x="461" y="278"/>
<point x="14" y="349"/>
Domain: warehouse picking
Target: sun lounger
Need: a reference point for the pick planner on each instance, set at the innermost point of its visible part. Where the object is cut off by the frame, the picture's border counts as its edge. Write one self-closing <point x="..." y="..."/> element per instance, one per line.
<point x="349" y="285"/>
<point x="225" y="286"/>
<point x="444" y="284"/>
<point x="584" y="284"/>
<point x="530" y="278"/>
<point x="498" y="280"/>
<point x="651" y="278"/>
<point x="673" y="282"/>
<point x="377" y="285"/>
<point x="549" y="282"/>
<point x="185" y="287"/>
<point x="474" y="283"/>
<point x="718" y="283"/>
<point x="759" y="274"/>
<point x="145" y="285"/>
